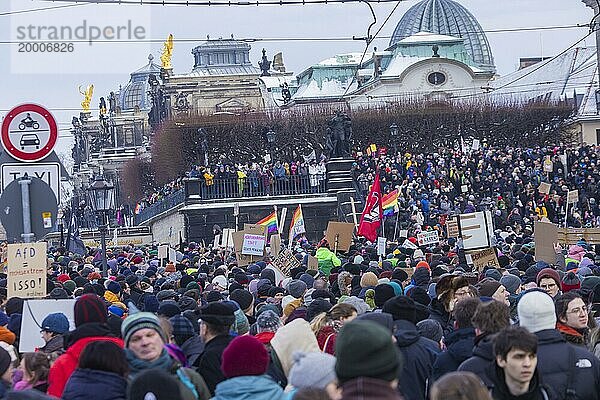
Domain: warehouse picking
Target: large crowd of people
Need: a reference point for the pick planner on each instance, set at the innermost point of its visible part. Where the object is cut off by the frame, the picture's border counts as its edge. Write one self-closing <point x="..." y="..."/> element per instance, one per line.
<point x="416" y="323"/>
<point x="504" y="180"/>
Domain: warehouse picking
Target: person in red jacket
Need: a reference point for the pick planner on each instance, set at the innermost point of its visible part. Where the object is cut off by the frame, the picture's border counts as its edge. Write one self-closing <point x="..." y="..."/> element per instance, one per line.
<point x="90" y="326"/>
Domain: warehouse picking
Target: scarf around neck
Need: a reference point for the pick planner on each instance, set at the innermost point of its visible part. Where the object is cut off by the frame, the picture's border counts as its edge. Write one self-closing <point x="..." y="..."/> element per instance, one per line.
<point x="164" y="362"/>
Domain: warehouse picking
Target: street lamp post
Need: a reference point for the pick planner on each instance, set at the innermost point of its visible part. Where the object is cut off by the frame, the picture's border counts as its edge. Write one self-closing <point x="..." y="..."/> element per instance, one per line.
<point x="271" y="140"/>
<point x="101" y="195"/>
<point x="394" y="134"/>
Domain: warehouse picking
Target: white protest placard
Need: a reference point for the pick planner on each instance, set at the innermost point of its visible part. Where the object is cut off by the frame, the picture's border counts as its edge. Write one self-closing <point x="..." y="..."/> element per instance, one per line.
<point x="227" y="238"/>
<point x="172" y="255"/>
<point x="163" y="251"/>
<point x="476" y="230"/>
<point x="464" y="188"/>
<point x="217" y="241"/>
<point x="381" y="242"/>
<point x="427" y="238"/>
<point x="573" y="196"/>
<point x="544" y="188"/>
<point x="253" y="245"/>
<point x="403" y="233"/>
<point x="476" y="144"/>
<point x="409" y="245"/>
<point x="34" y="312"/>
<point x="27" y="270"/>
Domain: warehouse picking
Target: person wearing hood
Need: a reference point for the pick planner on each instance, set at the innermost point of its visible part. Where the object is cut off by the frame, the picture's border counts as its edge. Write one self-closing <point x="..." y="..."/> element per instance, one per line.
<point x="145" y="342"/>
<point x="514" y="373"/>
<point x="489" y="318"/>
<point x="459" y="343"/>
<point x="244" y="364"/>
<point x="90" y="326"/>
<point x="327" y="258"/>
<point x="418" y="353"/>
<point x="294" y="336"/>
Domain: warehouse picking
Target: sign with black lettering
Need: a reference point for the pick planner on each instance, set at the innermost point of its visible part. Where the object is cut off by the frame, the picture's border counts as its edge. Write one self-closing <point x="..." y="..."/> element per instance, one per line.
<point x="47" y="172"/>
<point x="27" y="266"/>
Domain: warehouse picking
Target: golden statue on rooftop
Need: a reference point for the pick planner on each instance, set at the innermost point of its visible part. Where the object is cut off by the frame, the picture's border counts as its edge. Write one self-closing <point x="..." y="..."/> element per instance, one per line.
<point x="165" y="58"/>
<point x="87" y="97"/>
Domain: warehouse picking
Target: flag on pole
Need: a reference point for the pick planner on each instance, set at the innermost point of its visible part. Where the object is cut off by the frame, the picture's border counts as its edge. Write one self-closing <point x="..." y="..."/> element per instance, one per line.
<point x="74" y="243"/>
<point x="370" y="220"/>
<point x="270" y="221"/>
<point x="389" y="203"/>
<point x="297" y="225"/>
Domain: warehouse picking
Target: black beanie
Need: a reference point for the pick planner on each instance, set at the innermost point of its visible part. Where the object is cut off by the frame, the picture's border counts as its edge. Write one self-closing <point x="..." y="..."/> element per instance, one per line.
<point x="159" y="383"/>
<point x="383" y="292"/>
<point x="365" y="349"/>
<point x="401" y="307"/>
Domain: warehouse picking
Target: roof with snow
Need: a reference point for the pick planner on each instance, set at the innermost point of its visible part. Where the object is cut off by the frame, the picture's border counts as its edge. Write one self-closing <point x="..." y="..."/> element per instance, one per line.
<point x="572" y="75"/>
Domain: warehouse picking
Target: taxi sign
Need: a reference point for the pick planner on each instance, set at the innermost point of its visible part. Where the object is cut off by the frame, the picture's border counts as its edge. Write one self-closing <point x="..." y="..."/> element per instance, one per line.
<point x="29" y="132"/>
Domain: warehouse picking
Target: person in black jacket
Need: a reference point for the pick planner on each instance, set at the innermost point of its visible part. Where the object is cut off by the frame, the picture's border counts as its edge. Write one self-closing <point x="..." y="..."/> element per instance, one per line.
<point x="572" y="372"/>
<point x="514" y="374"/>
<point x="489" y="319"/>
<point x="217" y="319"/>
<point x="460" y="342"/>
<point x="418" y="352"/>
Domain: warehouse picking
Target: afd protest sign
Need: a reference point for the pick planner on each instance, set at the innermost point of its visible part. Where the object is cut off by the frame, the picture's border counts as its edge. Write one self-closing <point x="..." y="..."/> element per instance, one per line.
<point x="27" y="270"/>
<point x="427" y="238"/>
<point x="485" y="258"/>
<point x="285" y="261"/>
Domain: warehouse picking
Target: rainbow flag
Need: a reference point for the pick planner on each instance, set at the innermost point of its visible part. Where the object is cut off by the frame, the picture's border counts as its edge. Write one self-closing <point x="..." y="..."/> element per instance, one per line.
<point x="390" y="203"/>
<point x="297" y="225"/>
<point x="270" y="221"/>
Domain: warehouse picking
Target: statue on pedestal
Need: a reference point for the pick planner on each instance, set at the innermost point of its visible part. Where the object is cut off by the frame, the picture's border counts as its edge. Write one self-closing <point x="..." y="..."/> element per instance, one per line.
<point x="339" y="134"/>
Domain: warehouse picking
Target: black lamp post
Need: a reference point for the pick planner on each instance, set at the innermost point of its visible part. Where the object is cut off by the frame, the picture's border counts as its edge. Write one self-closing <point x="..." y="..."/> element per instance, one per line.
<point x="394" y="134"/>
<point x="101" y="195"/>
<point x="271" y="140"/>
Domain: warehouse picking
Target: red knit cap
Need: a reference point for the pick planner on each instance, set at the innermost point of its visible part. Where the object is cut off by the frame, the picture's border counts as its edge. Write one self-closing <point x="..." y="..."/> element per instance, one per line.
<point x="62" y="278"/>
<point x="244" y="356"/>
<point x="423" y="264"/>
<point x="90" y="308"/>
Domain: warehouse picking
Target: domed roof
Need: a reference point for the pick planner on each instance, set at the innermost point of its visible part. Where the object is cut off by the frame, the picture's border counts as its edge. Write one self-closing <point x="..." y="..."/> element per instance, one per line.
<point x="447" y="17"/>
<point x="135" y="93"/>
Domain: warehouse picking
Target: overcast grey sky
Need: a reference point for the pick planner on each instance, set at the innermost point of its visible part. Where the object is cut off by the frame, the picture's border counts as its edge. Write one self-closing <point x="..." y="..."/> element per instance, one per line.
<point x="53" y="79"/>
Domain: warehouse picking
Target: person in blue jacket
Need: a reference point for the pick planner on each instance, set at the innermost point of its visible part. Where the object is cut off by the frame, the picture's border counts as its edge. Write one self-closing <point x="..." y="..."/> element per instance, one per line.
<point x="244" y="364"/>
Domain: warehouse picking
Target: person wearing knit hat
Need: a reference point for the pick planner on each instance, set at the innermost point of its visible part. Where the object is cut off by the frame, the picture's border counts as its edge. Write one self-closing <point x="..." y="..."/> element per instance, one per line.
<point x="54" y="326"/>
<point x="245" y="362"/>
<point x="6" y="371"/>
<point x="185" y="337"/>
<point x="359" y="304"/>
<point x="383" y="293"/>
<point x="267" y="323"/>
<point x="512" y="283"/>
<point x="548" y="280"/>
<point x="492" y="288"/>
<point x="431" y="329"/>
<point x="367" y="363"/>
<point x="246" y="302"/>
<point x="314" y="370"/>
<point x="90" y="314"/>
<point x="296" y="288"/>
<point x="217" y="319"/>
<point x="145" y="348"/>
<point x="368" y="280"/>
<point x="570" y="282"/>
<point x="579" y="371"/>
<point x="154" y="384"/>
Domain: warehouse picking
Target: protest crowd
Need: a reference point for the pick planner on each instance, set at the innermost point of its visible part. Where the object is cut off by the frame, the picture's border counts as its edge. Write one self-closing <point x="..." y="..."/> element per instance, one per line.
<point x="408" y="321"/>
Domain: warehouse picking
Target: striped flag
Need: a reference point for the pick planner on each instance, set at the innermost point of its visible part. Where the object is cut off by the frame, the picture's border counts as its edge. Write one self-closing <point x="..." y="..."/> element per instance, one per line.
<point x="389" y="203"/>
<point x="297" y="225"/>
<point x="270" y="221"/>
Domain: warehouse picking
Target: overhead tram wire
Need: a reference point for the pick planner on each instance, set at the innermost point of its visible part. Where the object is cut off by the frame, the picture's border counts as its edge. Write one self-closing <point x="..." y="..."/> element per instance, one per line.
<point x="31" y="10"/>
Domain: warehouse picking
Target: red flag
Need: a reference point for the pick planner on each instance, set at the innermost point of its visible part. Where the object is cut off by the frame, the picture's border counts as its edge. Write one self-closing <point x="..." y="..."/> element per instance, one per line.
<point x="370" y="220"/>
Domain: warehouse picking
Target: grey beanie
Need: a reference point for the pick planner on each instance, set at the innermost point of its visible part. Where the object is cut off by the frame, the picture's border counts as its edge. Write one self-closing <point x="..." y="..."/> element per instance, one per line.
<point x="511" y="283"/>
<point x="296" y="288"/>
<point x="312" y="370"/>
<point x="358" y="303"/>
<point x="430" y="329"/>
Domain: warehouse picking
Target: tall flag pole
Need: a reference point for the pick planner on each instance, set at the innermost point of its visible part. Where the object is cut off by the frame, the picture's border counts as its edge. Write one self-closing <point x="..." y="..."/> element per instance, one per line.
<point x="370" y="219"/>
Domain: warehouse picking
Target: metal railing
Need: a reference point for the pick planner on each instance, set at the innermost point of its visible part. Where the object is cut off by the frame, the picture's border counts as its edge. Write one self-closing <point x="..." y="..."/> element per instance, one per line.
<point x="170" y="201"/>
<point x="215" y="188"/>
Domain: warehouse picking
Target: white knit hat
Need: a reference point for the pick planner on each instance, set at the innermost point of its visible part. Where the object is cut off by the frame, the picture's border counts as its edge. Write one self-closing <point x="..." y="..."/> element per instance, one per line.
<point x="536" y="311"/>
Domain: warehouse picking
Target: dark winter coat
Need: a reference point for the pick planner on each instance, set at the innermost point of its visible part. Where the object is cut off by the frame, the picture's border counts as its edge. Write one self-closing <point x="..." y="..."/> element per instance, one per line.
<point x="192" y="348"/>
<point x="56" y="344"/>
<point x="459" y="345"/>
<point x="419" y="354"/>
<point x="89" y="384"/>
<point x="500" y="391"/>
<point x="208" y="363"/>
<point x="559" y="362"/>
<point x="483" y="356"/>
<point x="368" y="389"/>
<point x="438" y="312"/>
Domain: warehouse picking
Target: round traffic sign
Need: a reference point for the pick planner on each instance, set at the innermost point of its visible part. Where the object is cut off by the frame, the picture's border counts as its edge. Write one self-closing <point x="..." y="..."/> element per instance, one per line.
<point x="29" y="132"/>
